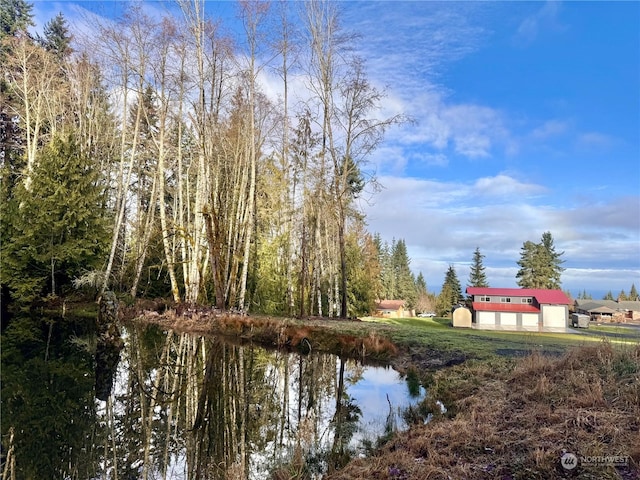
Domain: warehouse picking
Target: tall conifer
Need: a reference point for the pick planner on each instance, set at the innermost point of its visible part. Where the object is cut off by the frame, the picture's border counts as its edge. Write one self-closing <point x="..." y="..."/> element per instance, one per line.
<point x="451" y="293"/>
<point x="59" y="230"/>
<point x="15" y="17"/>
<point x="540" y="264"/>
<point x="477" y="275"/>
<point x="56" y="37"/>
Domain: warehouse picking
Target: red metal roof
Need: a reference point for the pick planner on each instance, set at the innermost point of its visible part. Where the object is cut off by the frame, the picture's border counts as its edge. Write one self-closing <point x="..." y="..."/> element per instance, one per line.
<point x="553" y="297"/>
<point x="505" y="307"/>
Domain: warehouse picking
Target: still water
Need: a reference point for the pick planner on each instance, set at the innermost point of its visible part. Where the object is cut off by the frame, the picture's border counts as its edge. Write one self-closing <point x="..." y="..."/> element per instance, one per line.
<point x="183" y="406"/>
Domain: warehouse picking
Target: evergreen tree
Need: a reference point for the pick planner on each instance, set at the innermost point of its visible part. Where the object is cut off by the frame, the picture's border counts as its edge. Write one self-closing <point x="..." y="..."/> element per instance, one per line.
<point x="477" y="275"/>
<point x="552" y="262"/>
<point x="421" y="284"/>
<point x="584" y="295"/>
<point x="608" y="296"/>
<point x="56" y="37"/>
<point x="404" y="280"/>
<point x="378" y="245"/>
<point x="58" y="227"/>
<point x="396" y="279"/>
<point x="15" y="17"/>
<point x="363" y="272"/>
<point x="529" y="274"/>
<point x="622" y="296"/>
<point x="451" y="293"/>
<point x="633" y="293"/>
<point x="540" y="264"/>
<point x="355" y="181"/>
<point x="387" y="278"/>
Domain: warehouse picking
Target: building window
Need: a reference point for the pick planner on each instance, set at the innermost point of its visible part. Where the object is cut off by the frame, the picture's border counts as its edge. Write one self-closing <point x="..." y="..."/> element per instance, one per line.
<point x="505" y="300"/>
<point x="526" y="300"/>
<point x="485" y="299"/>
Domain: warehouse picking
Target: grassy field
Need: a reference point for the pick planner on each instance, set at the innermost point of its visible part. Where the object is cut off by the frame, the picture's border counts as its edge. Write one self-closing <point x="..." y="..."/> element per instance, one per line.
<point x="617" y="329"/>
<point x="437" y="334"/>
<point x="425" y="342"/>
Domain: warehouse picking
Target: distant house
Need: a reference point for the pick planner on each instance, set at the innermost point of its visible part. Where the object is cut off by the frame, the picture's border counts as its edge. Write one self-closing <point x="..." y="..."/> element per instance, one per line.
<point x="609" y="310"/>
<point x="393" y="309"/>
<point x="519" y="308"/>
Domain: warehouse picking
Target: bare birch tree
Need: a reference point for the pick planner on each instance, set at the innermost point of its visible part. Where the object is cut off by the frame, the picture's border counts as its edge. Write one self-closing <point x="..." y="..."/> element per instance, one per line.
<point x="328" y="46"/>
<point x="115" y="47"/>
<point x="350" y="128"/>
<point x="212" y="54"/>
<point x="34" y="76"/>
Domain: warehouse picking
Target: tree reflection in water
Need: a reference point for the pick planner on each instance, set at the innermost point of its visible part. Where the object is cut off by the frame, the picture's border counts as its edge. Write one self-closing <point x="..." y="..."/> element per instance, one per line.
<point x="193" y="407"/>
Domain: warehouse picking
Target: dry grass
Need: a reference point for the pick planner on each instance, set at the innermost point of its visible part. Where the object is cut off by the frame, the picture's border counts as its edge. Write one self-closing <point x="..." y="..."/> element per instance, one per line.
<point x="515" y="419"/>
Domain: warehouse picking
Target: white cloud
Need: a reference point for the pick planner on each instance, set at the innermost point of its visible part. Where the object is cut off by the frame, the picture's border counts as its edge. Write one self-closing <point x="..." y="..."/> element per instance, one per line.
<point x="545" y="18"/>
<point x="389" y="158"/>
<point x="550" y="129"/>
<point x="443" y="222"/>
<point x="422" y="40"/>
<point x="590" y="140"/>
<point x="80" y="21"/>
<point x="473" y="145"/>
<point x="503" y="185"/>
<point x="598" y="281"/>
<point x="469" y="130"/>
<point x="430" y="159"/>
<point x="425" y="37"/>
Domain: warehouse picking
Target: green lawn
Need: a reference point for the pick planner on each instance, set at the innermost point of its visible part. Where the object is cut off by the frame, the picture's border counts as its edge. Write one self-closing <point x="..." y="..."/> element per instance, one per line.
<point x="615" y="329"/>
<point x="437" y="334"/>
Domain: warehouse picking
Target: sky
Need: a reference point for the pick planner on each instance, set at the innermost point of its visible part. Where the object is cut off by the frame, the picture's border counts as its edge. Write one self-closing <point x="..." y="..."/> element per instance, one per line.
<point x="525" y="118"/>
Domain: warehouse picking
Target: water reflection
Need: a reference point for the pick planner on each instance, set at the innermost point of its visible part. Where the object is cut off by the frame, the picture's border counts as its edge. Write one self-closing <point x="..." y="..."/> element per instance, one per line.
<point x="188" y="407"/>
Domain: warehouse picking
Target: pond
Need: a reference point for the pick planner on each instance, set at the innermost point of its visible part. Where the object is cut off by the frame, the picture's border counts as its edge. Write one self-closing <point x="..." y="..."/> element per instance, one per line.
<point x="183" y="406"/>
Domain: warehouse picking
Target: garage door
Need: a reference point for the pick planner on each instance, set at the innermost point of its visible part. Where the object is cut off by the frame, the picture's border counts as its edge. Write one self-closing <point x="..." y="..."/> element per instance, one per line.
<point x="529" y="319"/>
<point x="486" y="318"/>
<point x="554" y="316"/>
<point x="508" y="319"/>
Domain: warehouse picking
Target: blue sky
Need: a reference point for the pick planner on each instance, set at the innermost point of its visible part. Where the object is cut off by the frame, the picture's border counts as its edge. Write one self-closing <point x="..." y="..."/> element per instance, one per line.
<point x="526" y="119"/>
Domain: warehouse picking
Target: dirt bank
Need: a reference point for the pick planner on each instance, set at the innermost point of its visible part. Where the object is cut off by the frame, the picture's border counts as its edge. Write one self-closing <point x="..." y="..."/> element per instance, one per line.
<point x="351" y="338"/>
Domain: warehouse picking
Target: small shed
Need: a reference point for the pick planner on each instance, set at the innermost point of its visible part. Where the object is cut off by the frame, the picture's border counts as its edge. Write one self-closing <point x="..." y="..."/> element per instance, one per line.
<point x="462" y="317"/>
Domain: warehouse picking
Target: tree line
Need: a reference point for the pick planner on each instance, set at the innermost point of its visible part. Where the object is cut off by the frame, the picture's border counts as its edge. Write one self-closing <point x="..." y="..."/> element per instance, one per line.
<point x="540" y="268"/>
<point x="147" y="159"/>
<point x="632" y="296"/>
